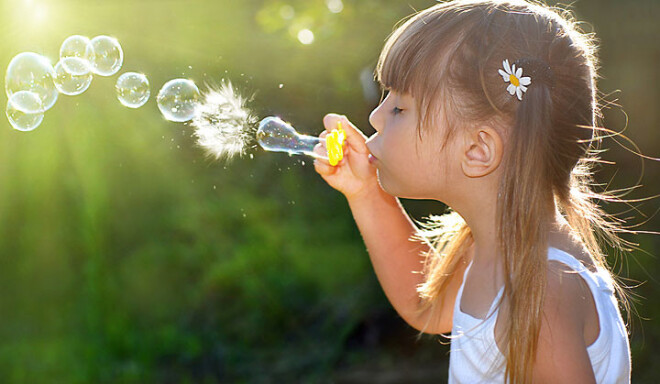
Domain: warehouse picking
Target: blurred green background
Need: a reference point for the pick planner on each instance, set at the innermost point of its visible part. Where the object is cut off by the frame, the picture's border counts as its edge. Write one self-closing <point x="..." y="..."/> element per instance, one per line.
<point x="127" y="256"/>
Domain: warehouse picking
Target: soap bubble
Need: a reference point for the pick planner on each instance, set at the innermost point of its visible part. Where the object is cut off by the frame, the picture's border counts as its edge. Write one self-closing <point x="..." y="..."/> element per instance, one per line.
<point x="178" y="99"/>
<point x="25" y="110"/>
<point x="80" y="47"/>
<point x="132" y="89"/>
<point x="107" y="56"/>
<point x="276" y="135"/>
<point x="29" y="71"/>
<point x="70" y="84"/>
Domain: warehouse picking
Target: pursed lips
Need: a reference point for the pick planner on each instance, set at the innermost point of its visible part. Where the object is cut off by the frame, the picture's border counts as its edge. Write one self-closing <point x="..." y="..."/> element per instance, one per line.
<point x="372" y="158"/>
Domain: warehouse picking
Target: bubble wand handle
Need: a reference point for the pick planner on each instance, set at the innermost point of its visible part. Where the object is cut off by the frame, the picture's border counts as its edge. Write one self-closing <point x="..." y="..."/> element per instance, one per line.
<point x="276" y="135"/>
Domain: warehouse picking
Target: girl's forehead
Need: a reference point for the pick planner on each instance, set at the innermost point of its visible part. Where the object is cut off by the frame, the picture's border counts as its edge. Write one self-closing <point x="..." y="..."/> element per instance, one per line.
<point x="399" y="94"/>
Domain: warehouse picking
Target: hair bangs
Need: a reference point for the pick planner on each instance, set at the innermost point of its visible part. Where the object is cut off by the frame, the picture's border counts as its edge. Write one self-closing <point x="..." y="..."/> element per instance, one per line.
<point x="417" y="56"/>
<point x="396" y="69"/>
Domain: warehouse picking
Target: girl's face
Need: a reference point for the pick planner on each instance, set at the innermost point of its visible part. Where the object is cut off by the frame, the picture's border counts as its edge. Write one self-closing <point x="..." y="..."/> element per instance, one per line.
<point x="408" y="165"/>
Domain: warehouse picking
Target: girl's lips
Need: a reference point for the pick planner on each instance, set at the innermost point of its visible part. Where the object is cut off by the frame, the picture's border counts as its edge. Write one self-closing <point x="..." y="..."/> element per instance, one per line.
<point x="372" y="159"/>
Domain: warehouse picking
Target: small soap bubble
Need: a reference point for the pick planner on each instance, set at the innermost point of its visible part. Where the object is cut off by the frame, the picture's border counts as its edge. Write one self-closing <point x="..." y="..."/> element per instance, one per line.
<point x="178" y="99"/>
<point x="29" y="71"/>
<point x="25" y="110"/>
<point x="75" y="66"/>
<point x="68" y="83"/>
<point x="79" y="47"/>
<point x="132" y="89"/>
<point x="107" y="56"/>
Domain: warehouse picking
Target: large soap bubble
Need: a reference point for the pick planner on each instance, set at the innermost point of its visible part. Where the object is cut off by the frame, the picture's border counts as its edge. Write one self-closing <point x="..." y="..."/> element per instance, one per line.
<point x="107" y="56"/>
<point x="178" y="99"/>
<point x="24" y="110"/>
<point x="29" y="71"/>
<point x="68" y="83"/>
<point x="79" y="47"/>
<point x="132" y="89"/>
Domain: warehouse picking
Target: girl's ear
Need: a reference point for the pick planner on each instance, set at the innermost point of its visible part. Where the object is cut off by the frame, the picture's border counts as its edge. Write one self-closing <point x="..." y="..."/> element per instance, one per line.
<point x="481" y="152"/>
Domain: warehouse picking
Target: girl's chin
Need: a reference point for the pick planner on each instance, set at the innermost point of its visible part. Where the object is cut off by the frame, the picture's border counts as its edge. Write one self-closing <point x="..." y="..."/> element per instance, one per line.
<point x="382" y="181"/>
<point x="387" y="185"/>
<point x="391" y="187"/>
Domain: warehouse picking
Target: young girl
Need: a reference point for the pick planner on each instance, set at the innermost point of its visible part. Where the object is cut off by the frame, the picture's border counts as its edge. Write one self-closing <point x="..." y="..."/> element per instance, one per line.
<point x="491" y="109"/>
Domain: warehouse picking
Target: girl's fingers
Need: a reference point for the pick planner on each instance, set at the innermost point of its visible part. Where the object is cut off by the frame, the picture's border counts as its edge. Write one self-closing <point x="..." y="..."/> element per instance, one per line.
<point x="320" y="148"/>
<point x="354" y="137"/>
<point x="321" y="164"/>
<point x="323" y="168"/>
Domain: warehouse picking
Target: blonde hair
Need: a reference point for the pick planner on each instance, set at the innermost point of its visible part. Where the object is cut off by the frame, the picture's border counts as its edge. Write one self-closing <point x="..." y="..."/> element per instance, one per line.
<point x="448" y="58"/>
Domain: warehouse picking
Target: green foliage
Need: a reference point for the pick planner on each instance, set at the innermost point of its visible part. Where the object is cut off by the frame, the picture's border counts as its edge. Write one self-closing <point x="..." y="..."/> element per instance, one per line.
<point x="129" y="257"/>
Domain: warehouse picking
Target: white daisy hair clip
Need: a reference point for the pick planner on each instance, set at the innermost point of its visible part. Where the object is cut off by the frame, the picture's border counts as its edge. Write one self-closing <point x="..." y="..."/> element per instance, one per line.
<point x="535" y="68"/>
<point x="514" y="75"/>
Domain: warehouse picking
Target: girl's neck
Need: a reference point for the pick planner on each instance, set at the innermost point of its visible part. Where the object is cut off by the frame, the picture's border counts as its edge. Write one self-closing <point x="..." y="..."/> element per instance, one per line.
<point x="481" y="217"/>
<point x="482" y="220"/>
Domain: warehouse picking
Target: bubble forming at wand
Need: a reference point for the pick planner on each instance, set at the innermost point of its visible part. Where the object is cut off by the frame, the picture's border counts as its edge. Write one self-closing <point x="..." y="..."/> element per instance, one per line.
<point x="224" y="127"/>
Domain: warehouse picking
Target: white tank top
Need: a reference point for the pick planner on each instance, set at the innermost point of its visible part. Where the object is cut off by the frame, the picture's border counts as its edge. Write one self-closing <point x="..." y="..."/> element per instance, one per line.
<point x="475" y="357"/>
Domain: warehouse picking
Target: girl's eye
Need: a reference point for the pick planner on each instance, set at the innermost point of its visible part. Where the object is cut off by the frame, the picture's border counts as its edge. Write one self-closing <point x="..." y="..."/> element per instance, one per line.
<point x="396" y="110"/>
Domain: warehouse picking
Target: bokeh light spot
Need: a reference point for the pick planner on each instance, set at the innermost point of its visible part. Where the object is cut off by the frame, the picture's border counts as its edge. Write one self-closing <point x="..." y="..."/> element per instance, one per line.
<point x="335" y="6"/>
<point x="287" y="12"/>
<point x="306" y="36"/>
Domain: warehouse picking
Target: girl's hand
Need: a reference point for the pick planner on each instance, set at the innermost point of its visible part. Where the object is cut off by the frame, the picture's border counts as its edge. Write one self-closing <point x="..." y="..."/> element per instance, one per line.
<point x="354" y="176"/>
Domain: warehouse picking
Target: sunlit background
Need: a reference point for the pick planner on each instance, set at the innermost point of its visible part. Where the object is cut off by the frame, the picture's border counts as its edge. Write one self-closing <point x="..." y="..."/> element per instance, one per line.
<point x="128" y="256"/>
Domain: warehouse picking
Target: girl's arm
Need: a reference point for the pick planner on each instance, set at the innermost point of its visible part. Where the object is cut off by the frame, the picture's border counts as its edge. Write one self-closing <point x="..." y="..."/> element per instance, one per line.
<point x="386" y="230"/>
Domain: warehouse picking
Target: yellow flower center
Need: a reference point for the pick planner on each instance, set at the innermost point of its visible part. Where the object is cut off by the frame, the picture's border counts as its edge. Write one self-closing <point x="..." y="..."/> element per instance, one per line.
<point x="514" y="80"/>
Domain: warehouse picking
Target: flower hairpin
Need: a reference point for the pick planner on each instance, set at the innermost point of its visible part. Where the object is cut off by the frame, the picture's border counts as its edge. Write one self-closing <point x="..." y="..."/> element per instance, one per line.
<point x="513" y="75"/>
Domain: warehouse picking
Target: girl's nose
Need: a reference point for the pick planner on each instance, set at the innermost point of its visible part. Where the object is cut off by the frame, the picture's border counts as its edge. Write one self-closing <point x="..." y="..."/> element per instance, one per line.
<point x="375" y="118"/>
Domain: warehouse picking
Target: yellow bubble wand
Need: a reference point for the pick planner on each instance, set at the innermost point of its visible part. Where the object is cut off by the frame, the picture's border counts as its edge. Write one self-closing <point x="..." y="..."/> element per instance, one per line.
<point x="334" y="143"/>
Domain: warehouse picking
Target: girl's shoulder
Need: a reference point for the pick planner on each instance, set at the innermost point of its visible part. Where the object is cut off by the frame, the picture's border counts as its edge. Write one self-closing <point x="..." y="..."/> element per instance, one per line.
<point x="569" y="299"/>
<point x="569" y="324"/>
<point x="567" y="286"/>
<point x="565" y="242"/>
